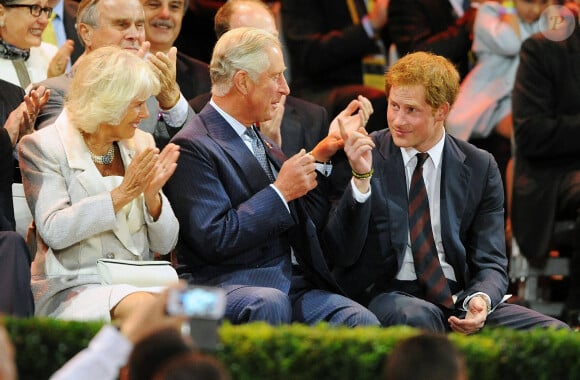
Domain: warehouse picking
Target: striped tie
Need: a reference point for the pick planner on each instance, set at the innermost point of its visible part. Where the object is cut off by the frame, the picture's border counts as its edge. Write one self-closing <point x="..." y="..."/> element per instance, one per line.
<point x="427" y="266"/>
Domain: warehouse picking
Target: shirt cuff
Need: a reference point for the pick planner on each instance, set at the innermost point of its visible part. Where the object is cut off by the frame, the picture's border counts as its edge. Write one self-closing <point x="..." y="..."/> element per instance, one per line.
<point x="357" y="195"/>
<point x="281" y="196"/>
<point x="176" y="116"/>
<point x="482" y="294"/>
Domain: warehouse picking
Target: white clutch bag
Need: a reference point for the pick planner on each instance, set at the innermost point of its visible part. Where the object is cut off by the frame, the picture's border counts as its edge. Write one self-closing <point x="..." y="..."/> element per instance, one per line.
<point x="136" y="273"/>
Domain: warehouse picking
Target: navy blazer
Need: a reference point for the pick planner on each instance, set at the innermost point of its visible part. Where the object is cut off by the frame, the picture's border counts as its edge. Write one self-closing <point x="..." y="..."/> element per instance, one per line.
<point x="368" y="241"/>
<point x="234" y="228"/>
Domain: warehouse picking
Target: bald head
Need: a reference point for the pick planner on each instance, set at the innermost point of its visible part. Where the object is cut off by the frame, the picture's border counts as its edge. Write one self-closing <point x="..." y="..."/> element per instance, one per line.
<point x="244" y="13"/>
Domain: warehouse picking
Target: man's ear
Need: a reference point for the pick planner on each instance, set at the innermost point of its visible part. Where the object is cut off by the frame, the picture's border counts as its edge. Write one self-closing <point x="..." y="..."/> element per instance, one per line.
<point x="242" y="82"/>
<point x="442" y="112"/>
<point x="85" y="34"/>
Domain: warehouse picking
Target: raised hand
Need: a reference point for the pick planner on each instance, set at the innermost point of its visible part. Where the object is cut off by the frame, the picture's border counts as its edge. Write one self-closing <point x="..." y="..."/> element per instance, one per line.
<point x="358" y="147"/>
<point x="271" y="128"/>
<point x="297" y="176"/>
<point x="21" y="120"/>
<point x="59" y="62"/>
<point x="164" y="169"/>
<point x="354" y="117"/>
<point x="164" y="67"/>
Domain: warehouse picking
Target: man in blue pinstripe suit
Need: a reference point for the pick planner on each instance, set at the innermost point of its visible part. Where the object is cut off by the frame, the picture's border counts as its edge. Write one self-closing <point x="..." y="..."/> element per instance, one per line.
<point x="238" y="230"/>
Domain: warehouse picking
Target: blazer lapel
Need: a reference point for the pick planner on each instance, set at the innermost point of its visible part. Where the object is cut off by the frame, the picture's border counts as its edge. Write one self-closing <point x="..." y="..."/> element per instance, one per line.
<point x="394" y="188"/>
<point x="455" y="178"/>
<point x="225" y="136"/>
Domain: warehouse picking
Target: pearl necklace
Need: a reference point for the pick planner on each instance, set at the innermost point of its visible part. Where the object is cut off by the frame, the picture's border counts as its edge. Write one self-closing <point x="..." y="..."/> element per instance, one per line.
<point x="105" y="159"/>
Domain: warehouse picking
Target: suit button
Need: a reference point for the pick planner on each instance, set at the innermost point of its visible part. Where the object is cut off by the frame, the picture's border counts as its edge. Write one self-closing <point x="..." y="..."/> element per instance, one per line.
<point x="110" y="255"/>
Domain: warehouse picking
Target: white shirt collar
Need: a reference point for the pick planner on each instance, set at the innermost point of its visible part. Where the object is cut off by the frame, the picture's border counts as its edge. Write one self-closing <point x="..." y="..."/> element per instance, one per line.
<point x="236" y="125"/>
<point x="435" y="152"/>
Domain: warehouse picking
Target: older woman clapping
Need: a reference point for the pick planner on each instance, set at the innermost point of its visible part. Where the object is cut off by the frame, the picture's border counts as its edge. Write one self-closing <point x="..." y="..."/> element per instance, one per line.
<point x="93" y="183"/>
<point x="24" y="58"/>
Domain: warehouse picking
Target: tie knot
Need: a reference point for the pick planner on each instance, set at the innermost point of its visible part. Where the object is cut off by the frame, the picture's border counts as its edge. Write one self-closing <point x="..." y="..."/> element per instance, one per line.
<point x="52" y="16"/>
<point x="421" y="158"/>
<point x="251" y="133"/>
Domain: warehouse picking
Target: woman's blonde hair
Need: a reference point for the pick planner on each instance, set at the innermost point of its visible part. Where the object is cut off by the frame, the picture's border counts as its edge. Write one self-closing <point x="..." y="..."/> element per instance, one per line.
<point x="105" y="83"/>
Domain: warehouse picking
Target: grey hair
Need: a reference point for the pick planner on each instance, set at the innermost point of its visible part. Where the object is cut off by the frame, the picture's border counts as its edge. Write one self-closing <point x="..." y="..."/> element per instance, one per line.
<point x="105" y="83"/>
<point x="240" y="49"/>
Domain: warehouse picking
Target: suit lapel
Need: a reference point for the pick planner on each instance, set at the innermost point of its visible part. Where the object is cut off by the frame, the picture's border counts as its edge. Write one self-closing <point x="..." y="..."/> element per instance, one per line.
<point x="455" y="178"/>
<point x="394" y="187"/>
<point x="232" y="144"/>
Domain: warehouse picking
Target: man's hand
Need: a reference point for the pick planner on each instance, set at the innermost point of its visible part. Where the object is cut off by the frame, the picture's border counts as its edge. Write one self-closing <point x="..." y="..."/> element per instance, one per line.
<point x="164" y="67"/>
<point x="297" y="176"/>
<point x="59" y="62"/>
<point x="474" y="319"/>
<point x="354" y="117"/>
<point x="358" y="147"/>
<point x="271" y="128"/>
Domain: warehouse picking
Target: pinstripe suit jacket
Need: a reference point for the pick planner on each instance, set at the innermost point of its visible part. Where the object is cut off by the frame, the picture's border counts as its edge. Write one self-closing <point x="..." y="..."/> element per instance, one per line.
<point x="234" y="228"/>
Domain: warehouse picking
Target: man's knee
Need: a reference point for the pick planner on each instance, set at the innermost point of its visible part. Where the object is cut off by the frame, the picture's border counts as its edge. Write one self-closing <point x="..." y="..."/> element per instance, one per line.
<point x="397" y="309"/>
<point x="264" y="304"/>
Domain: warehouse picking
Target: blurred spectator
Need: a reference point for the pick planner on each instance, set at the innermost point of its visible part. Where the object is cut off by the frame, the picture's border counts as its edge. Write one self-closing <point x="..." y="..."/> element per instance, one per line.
<point x="329" y="42"/>
<point x="443" y="27"/>
<point x="197" y="37"/>
<point x="483" y="110"/>
<point x="162" y="25"/>
<point x="546" y="120"/>
<point x="426" y="357"/>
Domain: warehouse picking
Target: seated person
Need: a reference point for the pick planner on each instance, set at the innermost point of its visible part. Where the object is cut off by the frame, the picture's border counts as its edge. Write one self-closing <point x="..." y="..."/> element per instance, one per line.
<point x="247" y="207"/>
<point x="93" y="182"/>
<point x="546" y="120"/>
<point x="18" y="120"/>
<point x="418" y="237"/>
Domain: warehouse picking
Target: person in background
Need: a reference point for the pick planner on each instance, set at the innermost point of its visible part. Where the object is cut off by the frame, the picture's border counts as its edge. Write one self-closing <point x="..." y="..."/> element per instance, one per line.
<point x="93" y="183"/>
<point x="122" y="23"/>
<point x="426" y="357"/>
<point x="24" y="58"/>
<point x="419" y="236"/>
<point x="162" y="25"/>
<point x="61" y="27"/>
<point x="297" y="124"/>
<point x="17" y="113"/>
<point x="247" y="208"/>
<point x="329" y="42"/>
<point x="546" y="119"/>
<point x="482" y="113"/>
<point x="443" y="27"/>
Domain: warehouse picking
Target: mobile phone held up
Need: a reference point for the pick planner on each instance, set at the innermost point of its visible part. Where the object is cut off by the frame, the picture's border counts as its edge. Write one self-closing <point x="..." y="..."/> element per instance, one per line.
<point x="198" y="302"/>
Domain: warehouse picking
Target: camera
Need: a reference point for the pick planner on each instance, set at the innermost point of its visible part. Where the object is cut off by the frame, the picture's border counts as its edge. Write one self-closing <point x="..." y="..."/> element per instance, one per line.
<point x="197" y="302"/>
<point x="205" y="306"/>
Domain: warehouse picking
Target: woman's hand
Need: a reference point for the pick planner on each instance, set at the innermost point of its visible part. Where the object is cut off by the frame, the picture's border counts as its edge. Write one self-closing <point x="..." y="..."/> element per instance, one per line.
<point x="164" y="169"/>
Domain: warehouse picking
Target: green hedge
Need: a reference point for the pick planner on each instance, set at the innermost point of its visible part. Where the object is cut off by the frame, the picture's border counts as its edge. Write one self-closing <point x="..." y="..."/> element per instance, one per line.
<point x="258" y="351"/>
